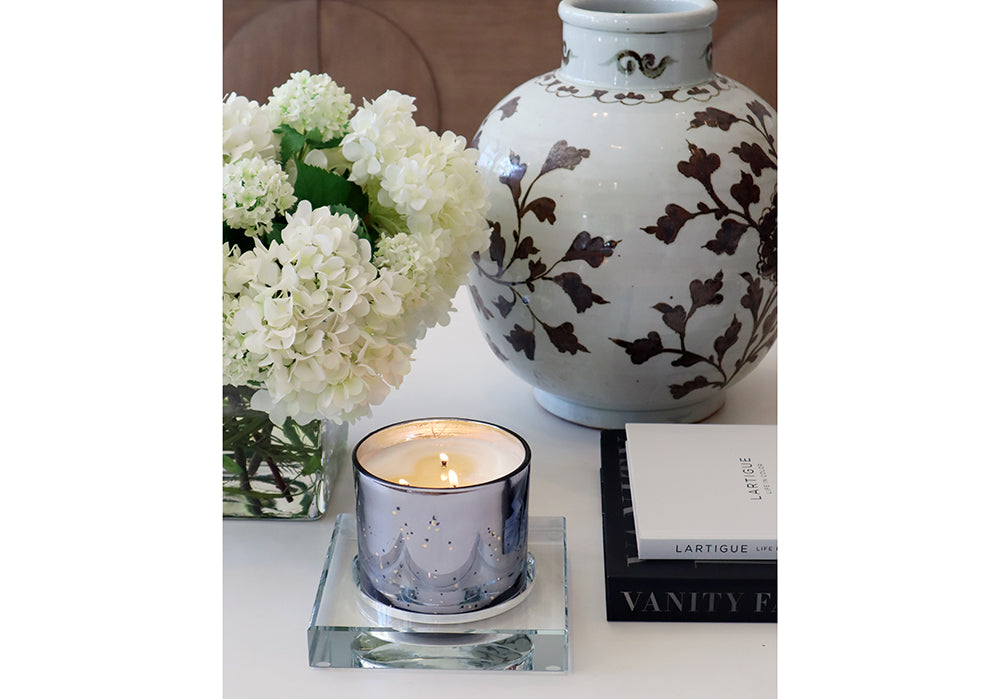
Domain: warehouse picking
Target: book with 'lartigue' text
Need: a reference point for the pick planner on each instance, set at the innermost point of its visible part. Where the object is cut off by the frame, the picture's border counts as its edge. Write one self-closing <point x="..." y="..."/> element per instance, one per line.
<point x="672" y="590"/>
<point x="704" y="491"/>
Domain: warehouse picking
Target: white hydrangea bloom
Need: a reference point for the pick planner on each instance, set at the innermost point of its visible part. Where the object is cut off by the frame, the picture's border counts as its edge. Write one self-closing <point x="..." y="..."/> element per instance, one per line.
<point x="380" y="132"/>
<point x="247" y="130"/>
<point x="438" y="252"/>
<point x="319" y="320"/>
<point x="322" y="325"/>
<point x="254" y="191"/>
<point x="237" y="366"/>
<point x="427" y="199"/>
<point x="412" y="187"/>
<point x="307" y="102"/>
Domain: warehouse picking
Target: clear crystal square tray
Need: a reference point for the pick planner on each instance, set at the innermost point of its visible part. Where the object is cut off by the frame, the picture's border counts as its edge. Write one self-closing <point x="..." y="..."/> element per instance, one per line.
<point x="530" y="633"/>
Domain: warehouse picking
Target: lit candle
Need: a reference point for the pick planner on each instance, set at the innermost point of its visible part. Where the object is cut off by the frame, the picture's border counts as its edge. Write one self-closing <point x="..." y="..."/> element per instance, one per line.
<point x="442" y="514"/>
<point x="424" y="462"/>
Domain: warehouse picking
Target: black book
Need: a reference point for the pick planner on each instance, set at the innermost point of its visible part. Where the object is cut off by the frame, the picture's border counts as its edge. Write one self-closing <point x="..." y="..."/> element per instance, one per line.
<point x="672" y="590"/>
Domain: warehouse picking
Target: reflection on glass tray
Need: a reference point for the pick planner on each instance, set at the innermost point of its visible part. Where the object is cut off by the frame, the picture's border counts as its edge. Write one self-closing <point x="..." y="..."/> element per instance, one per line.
<point x="347" y="629"/>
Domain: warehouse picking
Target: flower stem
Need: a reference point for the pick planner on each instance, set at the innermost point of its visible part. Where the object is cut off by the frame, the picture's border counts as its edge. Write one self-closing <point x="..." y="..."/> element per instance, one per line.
<point x="254" y="464"/>
<point x="278" y="480"/>
<point x="241" y="461"/>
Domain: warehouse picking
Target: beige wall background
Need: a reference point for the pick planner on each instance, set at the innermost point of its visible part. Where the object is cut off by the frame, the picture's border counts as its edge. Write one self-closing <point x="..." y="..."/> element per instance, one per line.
<point x="457" y="57"/>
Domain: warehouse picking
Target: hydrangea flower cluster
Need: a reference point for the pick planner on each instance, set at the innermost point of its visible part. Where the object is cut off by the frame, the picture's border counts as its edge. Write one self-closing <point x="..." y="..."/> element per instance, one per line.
<point x="254" y="190"/>
<point x="247" y="130"/>
<point x="319" y="318"/>
<point x="427" y="196"/>
<point x="311" y="102"/>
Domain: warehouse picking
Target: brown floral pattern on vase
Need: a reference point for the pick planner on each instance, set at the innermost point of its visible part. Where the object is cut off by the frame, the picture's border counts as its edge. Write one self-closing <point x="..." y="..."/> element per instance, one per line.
<point x="698" y="93"/>
<point x="518" y="267"/>
<point x="567" y="54"/>
<point x="735" y="220"/>
<point x="707" y="292"/>
<point x="628" y="61"/>
<point x="506" y="110"/>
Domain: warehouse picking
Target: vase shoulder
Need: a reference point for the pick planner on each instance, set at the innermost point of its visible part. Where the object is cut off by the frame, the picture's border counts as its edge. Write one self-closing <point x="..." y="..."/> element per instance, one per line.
<point x="632" y="125"/>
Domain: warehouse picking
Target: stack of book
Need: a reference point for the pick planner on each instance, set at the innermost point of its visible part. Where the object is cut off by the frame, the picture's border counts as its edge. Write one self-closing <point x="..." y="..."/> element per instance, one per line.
<point x="690" y="522"/>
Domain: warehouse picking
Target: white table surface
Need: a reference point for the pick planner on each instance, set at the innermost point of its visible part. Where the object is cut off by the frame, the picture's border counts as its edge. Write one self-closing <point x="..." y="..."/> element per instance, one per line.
<point x="271" y="569"/>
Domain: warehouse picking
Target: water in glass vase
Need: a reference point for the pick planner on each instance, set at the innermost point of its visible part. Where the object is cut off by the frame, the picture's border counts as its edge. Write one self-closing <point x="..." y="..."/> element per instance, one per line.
<point x="274" y="471"/>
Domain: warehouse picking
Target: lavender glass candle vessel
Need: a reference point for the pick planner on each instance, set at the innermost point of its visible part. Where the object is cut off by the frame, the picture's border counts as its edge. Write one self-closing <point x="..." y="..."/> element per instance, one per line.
<point x="442" y="512"/>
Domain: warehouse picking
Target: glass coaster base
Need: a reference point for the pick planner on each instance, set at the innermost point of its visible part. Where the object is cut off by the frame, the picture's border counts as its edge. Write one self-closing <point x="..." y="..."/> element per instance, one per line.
<point x="531" y="634"/>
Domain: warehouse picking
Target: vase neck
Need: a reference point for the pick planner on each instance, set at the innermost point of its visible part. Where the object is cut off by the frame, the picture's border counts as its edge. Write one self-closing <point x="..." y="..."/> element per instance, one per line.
<point x="637" y="44"/>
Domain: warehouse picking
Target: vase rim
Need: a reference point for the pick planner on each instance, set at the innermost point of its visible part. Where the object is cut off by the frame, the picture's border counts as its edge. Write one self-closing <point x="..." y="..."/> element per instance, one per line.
<point x="638" y="16"/>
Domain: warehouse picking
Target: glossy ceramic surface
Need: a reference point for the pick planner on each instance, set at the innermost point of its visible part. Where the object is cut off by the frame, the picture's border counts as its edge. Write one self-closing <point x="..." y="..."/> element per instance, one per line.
<point x="632" y="268"/>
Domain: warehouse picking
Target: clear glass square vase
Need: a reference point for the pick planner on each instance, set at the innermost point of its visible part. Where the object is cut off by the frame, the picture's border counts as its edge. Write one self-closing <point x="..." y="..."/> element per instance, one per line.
<point x="271" y="471"/>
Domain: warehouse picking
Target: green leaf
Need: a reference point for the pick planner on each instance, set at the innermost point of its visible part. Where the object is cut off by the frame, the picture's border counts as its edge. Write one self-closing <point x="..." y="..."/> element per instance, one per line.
<point x="313" y="464"/>
<point x="323" y="145"/>
<point x="229" y="464"/>
<point x="292" y="142"/>
<point x="239" y="429"/>
<point x="291" y="433"/>
<point x="323" y="188"/>
<point x="306" y="502"/>
<point x="315" y="140"/>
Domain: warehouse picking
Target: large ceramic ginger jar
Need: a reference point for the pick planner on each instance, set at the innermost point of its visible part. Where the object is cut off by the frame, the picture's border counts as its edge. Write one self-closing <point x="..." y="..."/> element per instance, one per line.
<point x="631" y="274"/>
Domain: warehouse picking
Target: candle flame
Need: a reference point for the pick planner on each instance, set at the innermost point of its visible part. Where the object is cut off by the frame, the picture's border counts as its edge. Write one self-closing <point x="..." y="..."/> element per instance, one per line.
<point x="403" y="481"/>
<point x="452" y="478"/>
<point x="444" y="459"/>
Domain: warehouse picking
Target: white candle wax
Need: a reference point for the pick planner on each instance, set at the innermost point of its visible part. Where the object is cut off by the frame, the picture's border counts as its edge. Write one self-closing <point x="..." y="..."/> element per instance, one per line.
<point x="418" y="462"/>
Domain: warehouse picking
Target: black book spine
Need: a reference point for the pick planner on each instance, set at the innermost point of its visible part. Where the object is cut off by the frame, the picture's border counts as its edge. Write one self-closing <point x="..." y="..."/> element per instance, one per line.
<point x="643" y="590"/>
<point x="751" y="601"/>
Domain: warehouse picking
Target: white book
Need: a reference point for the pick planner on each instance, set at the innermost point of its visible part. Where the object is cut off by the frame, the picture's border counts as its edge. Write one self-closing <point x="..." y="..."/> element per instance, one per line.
<point x="704" y="492"/>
